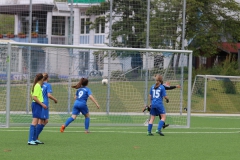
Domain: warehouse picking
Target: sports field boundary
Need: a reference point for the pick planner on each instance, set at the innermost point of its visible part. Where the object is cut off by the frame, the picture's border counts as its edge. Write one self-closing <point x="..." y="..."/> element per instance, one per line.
<point x="131" y="113"/>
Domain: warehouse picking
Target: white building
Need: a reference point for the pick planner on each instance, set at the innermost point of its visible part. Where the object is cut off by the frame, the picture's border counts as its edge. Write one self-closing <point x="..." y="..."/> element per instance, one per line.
<point x="52" y="23"/>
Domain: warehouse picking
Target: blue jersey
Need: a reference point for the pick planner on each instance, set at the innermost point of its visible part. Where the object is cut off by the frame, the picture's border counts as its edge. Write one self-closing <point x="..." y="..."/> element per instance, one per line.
<point x="46" y="88"/>
<point x="157" y="95"/>
<point x="82" y="94"/>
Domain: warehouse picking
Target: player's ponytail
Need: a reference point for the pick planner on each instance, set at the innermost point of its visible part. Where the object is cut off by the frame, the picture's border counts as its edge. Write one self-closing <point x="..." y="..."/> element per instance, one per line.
<point x="159" y="81"/>
<point x="82" y="83"/>
<point x="45" y="76"/>
<point x="37" y="78"/>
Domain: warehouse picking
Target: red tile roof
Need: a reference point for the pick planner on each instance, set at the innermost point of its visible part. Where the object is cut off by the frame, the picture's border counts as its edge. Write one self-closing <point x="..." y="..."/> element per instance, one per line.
<point x="230" y="47"/>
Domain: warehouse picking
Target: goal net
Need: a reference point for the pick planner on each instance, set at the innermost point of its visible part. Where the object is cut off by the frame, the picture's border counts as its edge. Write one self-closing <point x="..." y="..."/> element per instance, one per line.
<point x="129" y="71"/>
<point x="216" y="94"/>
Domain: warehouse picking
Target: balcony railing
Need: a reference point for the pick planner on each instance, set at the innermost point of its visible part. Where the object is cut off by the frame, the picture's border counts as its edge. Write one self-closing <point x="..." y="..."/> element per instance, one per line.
<point x="25" y="39"/>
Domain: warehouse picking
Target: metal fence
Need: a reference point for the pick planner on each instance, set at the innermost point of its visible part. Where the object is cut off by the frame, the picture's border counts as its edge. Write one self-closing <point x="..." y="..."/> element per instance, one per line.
<point x="136" y="24"/>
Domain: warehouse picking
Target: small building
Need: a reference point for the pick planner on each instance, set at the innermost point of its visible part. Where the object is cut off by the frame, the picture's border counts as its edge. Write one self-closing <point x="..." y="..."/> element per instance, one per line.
<point x="225" y="51"/>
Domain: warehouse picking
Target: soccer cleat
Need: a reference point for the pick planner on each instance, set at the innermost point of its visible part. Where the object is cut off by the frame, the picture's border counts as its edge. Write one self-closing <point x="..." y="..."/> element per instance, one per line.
<point x="32" y="143"/>
<point x="159" y="132"/>
<point x="38" y="142"/>
<point x="62" y="128"/>
<point x="87" y="132"/>
<point x="149" y="134"/>
<point x="166" y="125"/>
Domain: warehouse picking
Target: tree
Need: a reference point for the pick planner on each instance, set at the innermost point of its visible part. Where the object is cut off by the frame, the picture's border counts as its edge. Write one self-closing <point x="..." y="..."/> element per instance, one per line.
<point x="165" y="24"/>
<point x="129" y="24"/>
<point x="210" y="22"/>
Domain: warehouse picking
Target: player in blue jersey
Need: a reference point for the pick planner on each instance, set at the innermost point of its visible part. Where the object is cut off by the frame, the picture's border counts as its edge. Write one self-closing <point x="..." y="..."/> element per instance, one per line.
<point x="80" y="104"/>
<point x="37" y="105"/>
<point x="167" y="87"/>
<point x="156" y="95"/>
<point x="47" y="93"/>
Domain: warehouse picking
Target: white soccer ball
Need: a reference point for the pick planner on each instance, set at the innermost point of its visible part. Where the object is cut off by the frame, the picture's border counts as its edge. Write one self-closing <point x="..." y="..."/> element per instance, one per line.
<point x="105" y="81"/>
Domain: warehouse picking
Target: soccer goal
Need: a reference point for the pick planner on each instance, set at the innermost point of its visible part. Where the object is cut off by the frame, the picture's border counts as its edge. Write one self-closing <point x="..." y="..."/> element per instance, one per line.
<point x="216" y="94"/>
<point x="129" y="73"/>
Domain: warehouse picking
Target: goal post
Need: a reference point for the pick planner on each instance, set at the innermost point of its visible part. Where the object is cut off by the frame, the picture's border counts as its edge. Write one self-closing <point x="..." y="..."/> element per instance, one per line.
<point x="128" y="70"/>
<point x="216" y="94"/>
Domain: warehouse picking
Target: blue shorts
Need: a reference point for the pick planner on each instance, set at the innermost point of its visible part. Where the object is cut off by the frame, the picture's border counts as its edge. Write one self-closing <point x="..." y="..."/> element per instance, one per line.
<point x="36" y="110"/>
<point x="45" y="114"/>
<point x="79" y="107"/>
<point x="155" y="111"/>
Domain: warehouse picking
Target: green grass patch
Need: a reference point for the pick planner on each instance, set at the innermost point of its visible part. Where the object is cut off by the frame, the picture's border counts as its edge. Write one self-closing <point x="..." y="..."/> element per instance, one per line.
<point x="208" y="138"/>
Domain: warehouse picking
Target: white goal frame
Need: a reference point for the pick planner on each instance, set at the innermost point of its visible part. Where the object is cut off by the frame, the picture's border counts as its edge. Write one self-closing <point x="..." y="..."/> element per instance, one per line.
<point x="189" y="78"/>
<point x="206" y="78"/>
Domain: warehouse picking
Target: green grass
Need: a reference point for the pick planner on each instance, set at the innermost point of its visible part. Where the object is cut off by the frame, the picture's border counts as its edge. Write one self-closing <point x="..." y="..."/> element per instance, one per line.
<point x="207" y="138"/>
<point x="219" y="99"/>
<point x="124" y="96"/>
<point x="96" y="120"/>
<point x="128" y="96"/>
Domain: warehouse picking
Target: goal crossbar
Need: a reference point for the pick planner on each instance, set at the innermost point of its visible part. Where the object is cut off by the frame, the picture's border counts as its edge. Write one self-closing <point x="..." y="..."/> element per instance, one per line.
<point x="99" y="48"/>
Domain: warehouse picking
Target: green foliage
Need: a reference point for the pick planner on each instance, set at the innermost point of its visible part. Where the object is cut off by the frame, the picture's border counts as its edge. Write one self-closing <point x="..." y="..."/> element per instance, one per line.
<point x="229" y="86"/>
<point x="229" y="68"/>
<point x="117" y="75"/>
<point x="209" y="21"/>
<point x="98" y="9"/>
<point x="164" y="23"/>
<point x="226" y="69"/>
<point x="123" y="27"/>
<point x="7" y="24"/>
<point x="85" y="1"/>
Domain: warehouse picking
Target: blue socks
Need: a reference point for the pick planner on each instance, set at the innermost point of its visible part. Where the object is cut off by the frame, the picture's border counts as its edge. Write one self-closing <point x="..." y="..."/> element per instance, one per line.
<point x="160" y="125"/>
<point x="39" y="129"/>
<point x="68" y="121"/>
<point x="31" y="133"/>
<point x="87" y="122"/>
<point x="150" y="128"/>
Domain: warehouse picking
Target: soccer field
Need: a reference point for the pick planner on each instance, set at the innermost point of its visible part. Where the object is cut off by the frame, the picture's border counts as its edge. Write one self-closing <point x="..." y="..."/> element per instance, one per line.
<point x="209" y="137"/>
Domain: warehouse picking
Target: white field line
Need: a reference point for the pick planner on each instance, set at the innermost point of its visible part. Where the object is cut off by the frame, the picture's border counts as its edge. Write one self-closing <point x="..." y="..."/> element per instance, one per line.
<point x="128" y="132"/>
<point x="132" y="127"/>
<point x="132" y="113"/>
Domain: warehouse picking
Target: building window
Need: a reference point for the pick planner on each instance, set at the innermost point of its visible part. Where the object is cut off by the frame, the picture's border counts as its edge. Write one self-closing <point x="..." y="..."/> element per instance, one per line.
<point x="83" y="63"/>
<point x="85" y="28"/>
<point x="203" y="60"/>
<point x="83" y="13"/>
<point x="100" y="25"/>
<point x="58" y="25"/>
<point x="99" y="61"/>
<point x="38" y="23"/>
